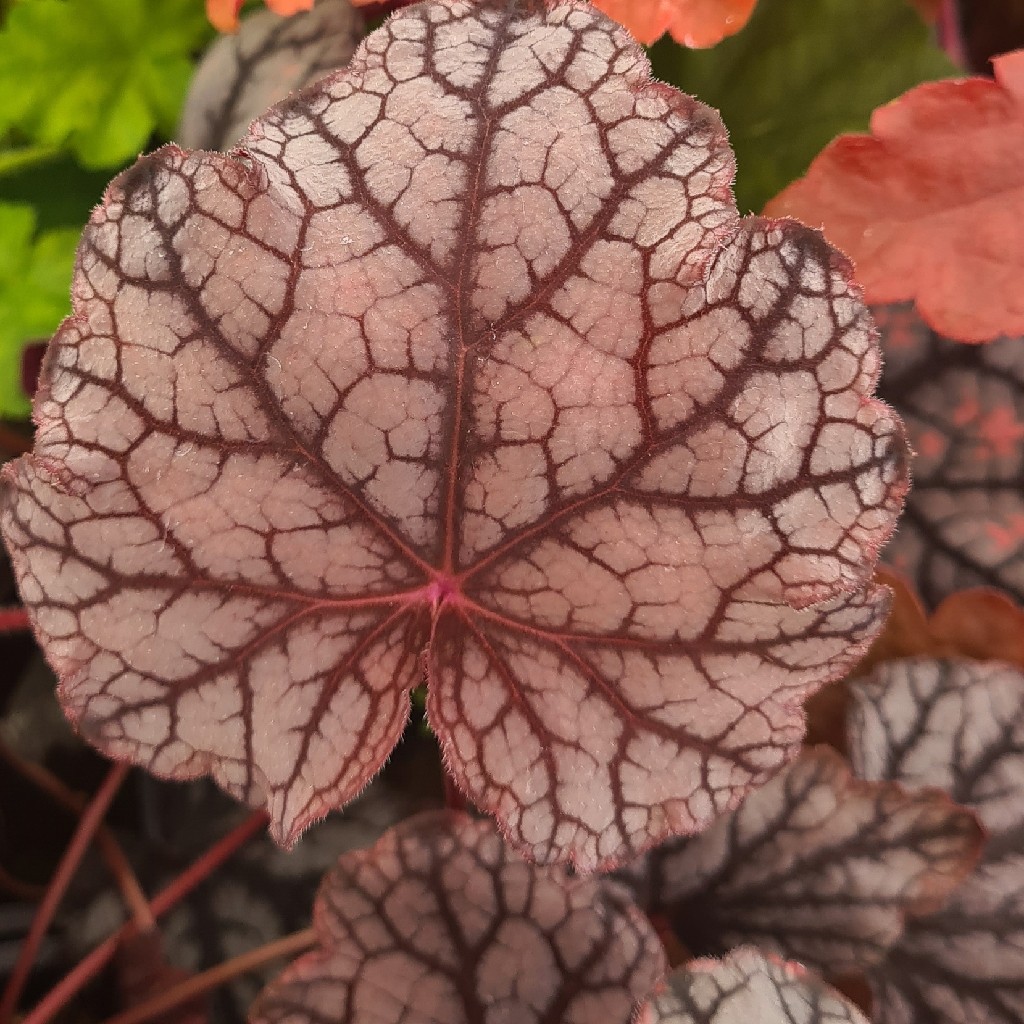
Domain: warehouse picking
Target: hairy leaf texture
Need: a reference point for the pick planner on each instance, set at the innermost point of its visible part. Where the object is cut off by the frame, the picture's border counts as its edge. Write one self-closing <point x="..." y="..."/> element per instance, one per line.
<point x="928" y="203"/>
<point x="463" y="364"/>
<point x="959" y="725"/>
<point x="746" y="987"/>
<point x="977" y="623"/>
<point x="815" y="866"/>
<point x="269" y="57"/>
<point x="697" y="23"/>
<point x="964" y="410"/>
<point x="442" y="923"/>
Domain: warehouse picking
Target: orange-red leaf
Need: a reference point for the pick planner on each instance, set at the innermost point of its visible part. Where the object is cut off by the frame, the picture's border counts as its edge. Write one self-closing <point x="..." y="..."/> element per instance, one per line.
<point x="979" y="623"/>
<point x="223" y="14"/>
<point x="286" y="8"/>
<point x="929" y="205"/>
<point x="695" y="23"/>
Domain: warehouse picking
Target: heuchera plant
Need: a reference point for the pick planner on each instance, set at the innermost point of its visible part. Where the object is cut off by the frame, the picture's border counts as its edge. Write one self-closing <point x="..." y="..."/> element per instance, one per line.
<point x="458" y="389"/>
<point x="465" y="366"/>
<point x="963" y="406"/>
<point x="695" y="23"/>
<point x="223" y="14"/>
<point x="934" y="186"/>
<point x="729" y="990"/>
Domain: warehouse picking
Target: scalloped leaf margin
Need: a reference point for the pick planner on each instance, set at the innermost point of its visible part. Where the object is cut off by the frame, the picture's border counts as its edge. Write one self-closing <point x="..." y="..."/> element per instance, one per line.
<point x="462" y="363"/>
<point x="441" y="921"/>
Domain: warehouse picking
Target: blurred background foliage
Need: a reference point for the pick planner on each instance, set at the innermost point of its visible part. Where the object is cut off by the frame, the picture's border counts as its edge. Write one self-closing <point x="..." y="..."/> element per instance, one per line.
<point x="86" y="85"/>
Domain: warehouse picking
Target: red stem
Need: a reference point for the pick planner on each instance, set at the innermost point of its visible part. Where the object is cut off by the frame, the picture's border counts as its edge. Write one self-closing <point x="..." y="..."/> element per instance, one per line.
<point x="110" y="849"/>
<point x="200" y="984"/>
<point x="13" y="620"/>
<point x="87" y="826"/>
<point x="59" y="998"/>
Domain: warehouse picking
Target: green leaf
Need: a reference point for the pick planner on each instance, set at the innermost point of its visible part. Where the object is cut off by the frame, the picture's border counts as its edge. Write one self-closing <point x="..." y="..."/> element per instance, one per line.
<point x="97" y="77"/>
<point x="35" y="279"/>
<point x="800" y="73"/>
<point x="16" y="159"/>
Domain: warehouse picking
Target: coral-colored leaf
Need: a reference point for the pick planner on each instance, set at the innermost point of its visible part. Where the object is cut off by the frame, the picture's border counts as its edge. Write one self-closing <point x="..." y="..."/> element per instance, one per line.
<point x="223" y="14"/>
<point x="977" y="623"/>
<point x="964" y="409"/>
<point x="746" y="987"/>
<point x="441" y="923"/>
<point x="927" y="204"/>
<point x="769" y="873"/>
<point x="462" y="363"/>
<point x="268" y="58"/>
<point x="799" y="74"/>
<point x="982" y="624"/>
<point x="959" y="725"/>
<point x="696" y="23"/>
<point x="286" y="8"/>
